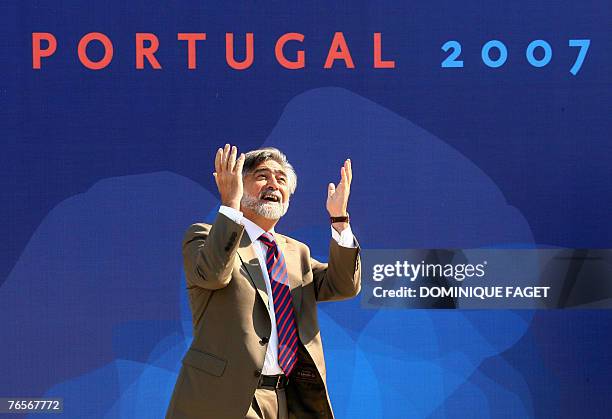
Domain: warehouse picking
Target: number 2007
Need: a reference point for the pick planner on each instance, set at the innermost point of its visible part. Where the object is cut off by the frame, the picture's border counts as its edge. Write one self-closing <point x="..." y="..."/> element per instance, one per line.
<point x="452" y="61"/>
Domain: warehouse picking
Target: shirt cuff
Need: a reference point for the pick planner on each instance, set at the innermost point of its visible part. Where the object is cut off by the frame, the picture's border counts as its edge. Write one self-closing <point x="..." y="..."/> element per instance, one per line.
<point x="231" y="213"/>
<point x="344" y="239"/>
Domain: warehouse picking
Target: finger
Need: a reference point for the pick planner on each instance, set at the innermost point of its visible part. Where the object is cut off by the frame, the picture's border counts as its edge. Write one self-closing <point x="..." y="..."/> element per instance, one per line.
<point x="343" y="178"/>
<point x="231" y="162"/>
<point x="345" y="167"/>
<point x="349" y="170"/>
<point x="218" y="158"/>
<point x="226" y="153"/>
<point x="239" y="164"/>
<point x="216" y="180"/>
<point x="330" y="190"/>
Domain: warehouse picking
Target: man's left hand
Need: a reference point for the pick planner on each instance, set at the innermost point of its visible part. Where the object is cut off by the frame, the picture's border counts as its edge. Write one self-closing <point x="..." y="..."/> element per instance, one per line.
<point x="337" y="196"/>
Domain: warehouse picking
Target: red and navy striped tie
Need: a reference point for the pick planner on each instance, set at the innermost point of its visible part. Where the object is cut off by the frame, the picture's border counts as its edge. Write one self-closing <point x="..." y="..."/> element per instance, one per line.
<point x="283" y="307"/>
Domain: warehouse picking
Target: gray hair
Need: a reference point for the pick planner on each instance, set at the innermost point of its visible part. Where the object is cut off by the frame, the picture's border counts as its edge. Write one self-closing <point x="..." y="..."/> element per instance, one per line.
<point x="255" y="157"/>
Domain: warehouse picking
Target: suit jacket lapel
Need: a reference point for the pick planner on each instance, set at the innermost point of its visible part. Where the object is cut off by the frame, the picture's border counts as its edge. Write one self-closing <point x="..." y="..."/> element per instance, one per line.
<point x="294" y="270"/>
<point x="251" y="264"/>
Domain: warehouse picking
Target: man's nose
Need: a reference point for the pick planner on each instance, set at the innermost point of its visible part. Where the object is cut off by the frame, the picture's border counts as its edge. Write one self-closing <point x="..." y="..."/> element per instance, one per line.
<point x="273" y="184"/>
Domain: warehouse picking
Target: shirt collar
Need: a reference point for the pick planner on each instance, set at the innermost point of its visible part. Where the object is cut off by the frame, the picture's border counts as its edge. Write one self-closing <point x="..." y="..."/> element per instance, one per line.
<point x="253" y="230"/>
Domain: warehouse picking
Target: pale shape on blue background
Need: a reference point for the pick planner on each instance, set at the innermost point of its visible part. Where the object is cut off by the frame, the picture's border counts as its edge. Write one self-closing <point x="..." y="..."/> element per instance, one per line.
<point x="102" y="274"/>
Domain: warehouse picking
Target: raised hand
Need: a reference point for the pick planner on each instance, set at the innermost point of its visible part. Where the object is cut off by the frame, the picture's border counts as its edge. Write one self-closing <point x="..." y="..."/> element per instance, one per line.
<point x="337" y="196"/>
<point x="228" y="176"/>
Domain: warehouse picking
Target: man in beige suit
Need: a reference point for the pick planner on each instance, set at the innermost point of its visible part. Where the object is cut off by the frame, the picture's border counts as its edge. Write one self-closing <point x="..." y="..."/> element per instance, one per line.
<point x="257" y="350"/>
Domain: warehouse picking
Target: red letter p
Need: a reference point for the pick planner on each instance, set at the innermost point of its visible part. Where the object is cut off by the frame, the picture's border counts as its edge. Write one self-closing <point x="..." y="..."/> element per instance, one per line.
<point x="37" y="52"/>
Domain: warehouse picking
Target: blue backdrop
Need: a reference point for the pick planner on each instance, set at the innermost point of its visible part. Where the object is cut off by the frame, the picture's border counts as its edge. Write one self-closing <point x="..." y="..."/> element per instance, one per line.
<point x="104" y="170"/>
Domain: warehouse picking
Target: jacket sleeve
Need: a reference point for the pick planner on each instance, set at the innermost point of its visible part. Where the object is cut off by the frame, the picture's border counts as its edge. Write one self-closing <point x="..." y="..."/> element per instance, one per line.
<point x="340" y="278"/>
<point x="209" y="253"/>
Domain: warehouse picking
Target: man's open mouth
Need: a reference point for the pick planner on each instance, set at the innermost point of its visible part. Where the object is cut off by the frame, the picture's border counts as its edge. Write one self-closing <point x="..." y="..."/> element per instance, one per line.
<point x="270" y="198"/>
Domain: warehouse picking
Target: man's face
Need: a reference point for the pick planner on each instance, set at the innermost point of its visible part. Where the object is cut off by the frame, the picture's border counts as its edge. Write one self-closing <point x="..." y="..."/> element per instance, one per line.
<point x="266" y="190"/>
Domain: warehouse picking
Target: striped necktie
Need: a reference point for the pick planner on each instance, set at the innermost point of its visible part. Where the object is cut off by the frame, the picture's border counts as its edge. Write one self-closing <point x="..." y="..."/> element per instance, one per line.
<point x="286" y="327"/>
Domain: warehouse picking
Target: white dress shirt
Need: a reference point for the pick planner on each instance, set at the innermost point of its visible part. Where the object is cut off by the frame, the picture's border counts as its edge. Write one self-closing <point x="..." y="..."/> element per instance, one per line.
<point x="345" y="239"/>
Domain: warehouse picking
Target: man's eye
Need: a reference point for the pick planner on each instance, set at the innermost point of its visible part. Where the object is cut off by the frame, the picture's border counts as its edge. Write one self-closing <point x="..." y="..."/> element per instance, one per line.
<point x="282" y="180"/>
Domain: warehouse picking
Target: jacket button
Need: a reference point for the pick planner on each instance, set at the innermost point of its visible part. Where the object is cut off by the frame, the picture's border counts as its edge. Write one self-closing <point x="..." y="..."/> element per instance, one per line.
<point x="264" y="340"/>
<point x="257" y="373"/>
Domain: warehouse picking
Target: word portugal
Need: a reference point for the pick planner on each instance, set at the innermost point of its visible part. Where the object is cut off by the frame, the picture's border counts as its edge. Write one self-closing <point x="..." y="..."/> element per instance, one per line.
<point x="148" y="43"/>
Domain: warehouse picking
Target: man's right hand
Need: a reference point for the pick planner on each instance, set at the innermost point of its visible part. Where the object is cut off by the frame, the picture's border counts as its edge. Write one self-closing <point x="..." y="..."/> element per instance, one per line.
<point x="228" y="176"/>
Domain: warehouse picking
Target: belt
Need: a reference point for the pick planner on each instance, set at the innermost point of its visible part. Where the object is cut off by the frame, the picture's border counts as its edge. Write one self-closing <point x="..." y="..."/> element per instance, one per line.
<point x="273" y="381"/>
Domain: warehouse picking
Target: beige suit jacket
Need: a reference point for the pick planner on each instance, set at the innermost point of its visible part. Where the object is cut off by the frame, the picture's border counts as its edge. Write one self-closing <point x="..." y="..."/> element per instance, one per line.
<point x="228" y="299"/>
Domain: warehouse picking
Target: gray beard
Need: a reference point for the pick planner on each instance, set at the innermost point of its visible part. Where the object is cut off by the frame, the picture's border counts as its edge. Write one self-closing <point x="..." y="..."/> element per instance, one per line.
<point x="266" y="209"/>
